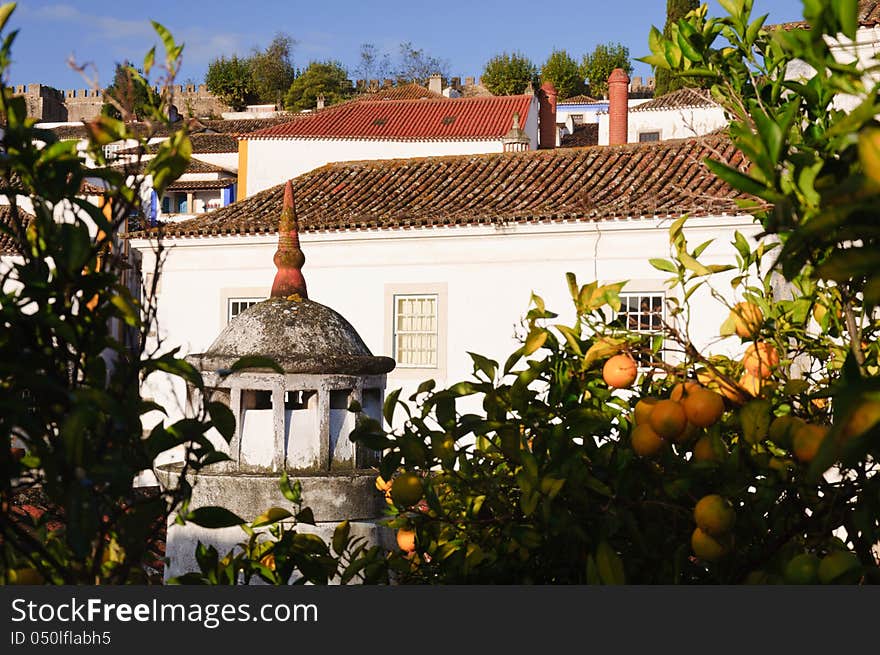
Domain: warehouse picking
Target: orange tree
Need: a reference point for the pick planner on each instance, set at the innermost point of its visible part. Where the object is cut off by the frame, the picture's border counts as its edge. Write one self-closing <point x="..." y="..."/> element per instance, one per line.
<point x="708" y="469"/>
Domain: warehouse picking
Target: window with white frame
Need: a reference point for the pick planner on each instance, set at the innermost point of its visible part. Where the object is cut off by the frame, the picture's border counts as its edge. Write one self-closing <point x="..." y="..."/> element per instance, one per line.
<point x="235" y="306"/>
<point x="649" y="137"/>
<point x="415" y="336"/>
<point x="577" y="119"/>
<point x="644" y="313"/>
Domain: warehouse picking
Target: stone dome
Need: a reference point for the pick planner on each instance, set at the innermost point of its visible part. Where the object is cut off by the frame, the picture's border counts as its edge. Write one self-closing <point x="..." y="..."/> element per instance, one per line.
<point x="301" y="335"/>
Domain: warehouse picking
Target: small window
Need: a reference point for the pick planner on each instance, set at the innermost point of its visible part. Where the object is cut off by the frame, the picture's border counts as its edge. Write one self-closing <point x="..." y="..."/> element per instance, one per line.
<point x="649" y="137"/>
<point x="448" y="120"/>
<point x="577" y="119"/>
<point x="380" y="121"/>
<point x="236" y="306"/>
<point x="644" y="313"/>
<point x="415" y="331"/>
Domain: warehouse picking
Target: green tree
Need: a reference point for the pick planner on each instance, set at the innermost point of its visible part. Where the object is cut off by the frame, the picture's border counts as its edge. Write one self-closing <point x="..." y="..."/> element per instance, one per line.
<point x="272" y="70"/>
<point x="666" y="81"/>
<point x="597" y="66"/>
<point x="231" y="81"/>
<point x="564" y="73"/>
<point x="129" y="97"/>
<point x="509" y="74"/>
<point x="327" y="78"/>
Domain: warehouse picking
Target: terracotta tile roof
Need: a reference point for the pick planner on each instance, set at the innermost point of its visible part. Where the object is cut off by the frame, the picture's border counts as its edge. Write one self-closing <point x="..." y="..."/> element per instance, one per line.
<point x="240" y="126"/>
<point x="411" y="91"/>
<point x="578" y="100"/>
<point x="680" y="99"/>
<point x="202" y="143"/>
<point x="195" y="185"/>
<point x="9" y="242"/>
<point x="583" y="135"/>
<point x="449" y="118"/>
<point x="194" y="166"/>
<point x="571" y="184"/>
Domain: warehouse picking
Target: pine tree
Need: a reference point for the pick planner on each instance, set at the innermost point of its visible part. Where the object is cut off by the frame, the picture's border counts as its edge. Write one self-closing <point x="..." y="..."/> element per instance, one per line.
<point x="666" y="81"/>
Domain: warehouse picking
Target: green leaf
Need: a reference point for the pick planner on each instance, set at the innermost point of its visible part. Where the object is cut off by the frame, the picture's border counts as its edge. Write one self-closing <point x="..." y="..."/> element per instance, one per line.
<point x="292" y="493"/>
<point x="609" y="565"/>
<point x="270" y="516"/>
<point x="255" y="362"/>
<point x="340" y="537"/>
<point x="663" y="265"/>
<point x="755" y="417"/>
<point x="223" y="419"/>
<point x="536" y="339"/>
<point x="213" y="517"/>
<point x="390" y="405"/>
<point x="693" y="265"/>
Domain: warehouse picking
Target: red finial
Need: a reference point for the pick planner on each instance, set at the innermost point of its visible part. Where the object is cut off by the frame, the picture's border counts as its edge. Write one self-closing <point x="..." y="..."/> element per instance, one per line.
<point x="289" y="257"/>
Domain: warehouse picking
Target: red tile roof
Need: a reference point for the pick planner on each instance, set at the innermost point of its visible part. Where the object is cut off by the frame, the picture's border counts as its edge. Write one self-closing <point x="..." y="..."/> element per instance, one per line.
<point x="410" y="91"/>
<point x="446" y="118"/>
<point x="570" y="184"/>
<point x="9" y="242"/>
<point x="578" y="100"/>
<point x="583" y="135"/>
<point x="678" y="99"/>
<point x="869" y="16"/>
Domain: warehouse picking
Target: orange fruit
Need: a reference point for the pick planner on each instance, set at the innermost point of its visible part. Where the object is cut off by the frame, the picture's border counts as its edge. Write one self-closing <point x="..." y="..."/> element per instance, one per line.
<point x="406" y="540"/>
<point x="802" y="569"/>
<point x="668" y="419"/>
<point x="748" y="319"/>
<point x="644" y="408"/>
<point x="620" y="371"/>
<point x="714" y="382"/>
<point x="760" y="359"/>
<point x="807" y="440"/>
<point x="709" y="548"/>
<point x="703" y="407"/>
<point x="782" y="429"/>
<point x="704" y="452"/>
<point x="645" y="441"/>
<point x="754" y="385"/>
<point x="714" y="515"/>
<point x="682" y="390"/>
<point x="406" y="490"/>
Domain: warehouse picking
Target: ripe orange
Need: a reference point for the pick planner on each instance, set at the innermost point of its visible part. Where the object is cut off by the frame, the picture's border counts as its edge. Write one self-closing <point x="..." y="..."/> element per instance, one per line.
<point x="668" y="419"/>
<point x="645" y="441"/>
<point x="406" y="540"/>
<point x="703" y="407"/>
<point x="760" y="359"/>
<point x="644" y="408"/>
<point x="709" y="548"/>
<point x="689" y="433"/>
<point x="704" y="452"/>
<point x="748" y="318"/>
<point x="406" y="490"/>
<point x="807" y="440"/>
<point x="752" y="384"/>
<point x="620" y="371"/>
<point x="712" y="381"/>
<point x="714" y="515"/>
<point x="782" y="429"/>
<point x="682" y="390"/>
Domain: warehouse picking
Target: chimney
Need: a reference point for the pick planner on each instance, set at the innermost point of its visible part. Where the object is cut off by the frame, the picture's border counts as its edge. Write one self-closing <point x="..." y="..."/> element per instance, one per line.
<point x="320" y="100"/>
<point x="435" y="84"/>
<point x="618" y="107"/>
<point x="548" y="131"/>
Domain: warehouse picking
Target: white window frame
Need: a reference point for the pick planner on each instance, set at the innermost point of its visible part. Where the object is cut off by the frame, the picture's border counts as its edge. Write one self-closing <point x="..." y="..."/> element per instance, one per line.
<point x="432" y="301"/>
<point x="659" y="134"/>
<point x="228" y="295"/>
<point x="626" y="295"/>
<point x="439" y="292"/>
<point x="250" y="300"/>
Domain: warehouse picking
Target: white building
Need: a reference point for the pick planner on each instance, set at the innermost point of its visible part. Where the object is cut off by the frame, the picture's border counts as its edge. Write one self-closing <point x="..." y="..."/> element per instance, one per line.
<point x="367" y="129"/>
<point x="431" y="258"/>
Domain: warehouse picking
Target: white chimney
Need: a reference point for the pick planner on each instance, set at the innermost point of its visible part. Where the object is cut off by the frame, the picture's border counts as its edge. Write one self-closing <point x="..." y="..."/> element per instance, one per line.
<point x="435" y="84"/>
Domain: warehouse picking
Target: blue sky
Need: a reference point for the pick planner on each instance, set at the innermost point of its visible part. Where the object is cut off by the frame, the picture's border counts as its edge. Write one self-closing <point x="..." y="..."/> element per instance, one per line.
<point x="465" y="33"/>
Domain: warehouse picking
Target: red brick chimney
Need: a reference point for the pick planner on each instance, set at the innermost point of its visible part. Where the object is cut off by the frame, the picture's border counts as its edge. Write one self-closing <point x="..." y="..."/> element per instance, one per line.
<point x="547" y="116"/>
<point x="618" y="107"/>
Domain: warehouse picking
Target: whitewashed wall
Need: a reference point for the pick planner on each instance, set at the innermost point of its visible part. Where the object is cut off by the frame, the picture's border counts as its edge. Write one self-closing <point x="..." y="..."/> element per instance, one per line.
<point x="672" y="123"/>
<point x="489" y="274"/>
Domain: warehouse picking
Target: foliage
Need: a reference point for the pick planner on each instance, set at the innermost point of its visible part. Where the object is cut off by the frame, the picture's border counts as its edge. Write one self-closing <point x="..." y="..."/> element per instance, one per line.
<point x="597" y="66"/>
<point x="373" y="65"/>
<point x="277" y="553"/>
<point x="327" y="78"/>
<point x="564" y="73"/>
<point x="272" y="71"/>
<point x="509" y="74"/>
<point x="231" y="81"/>
<point x="666" y="81"/>
<point x="414" y="64"/>
<point x="129" y="97"/>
